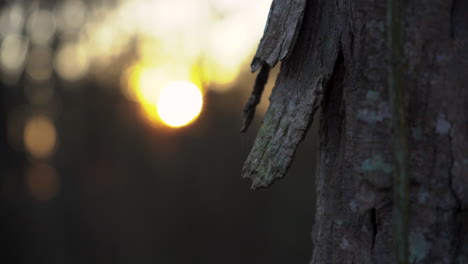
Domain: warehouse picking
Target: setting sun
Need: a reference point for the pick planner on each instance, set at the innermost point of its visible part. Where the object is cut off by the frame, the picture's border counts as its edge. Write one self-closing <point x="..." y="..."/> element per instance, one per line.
<point x="168" y="46"/>
<point x="172" y="103"/>
<point x="179" y="103"/>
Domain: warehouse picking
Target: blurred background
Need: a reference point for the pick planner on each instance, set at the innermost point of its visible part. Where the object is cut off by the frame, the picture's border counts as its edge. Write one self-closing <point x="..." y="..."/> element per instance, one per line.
<point x="120" y="136"/>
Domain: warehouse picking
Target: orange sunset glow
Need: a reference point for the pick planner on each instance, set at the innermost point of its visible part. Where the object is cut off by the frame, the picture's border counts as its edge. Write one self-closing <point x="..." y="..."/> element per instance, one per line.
<point x="204" y="43"/>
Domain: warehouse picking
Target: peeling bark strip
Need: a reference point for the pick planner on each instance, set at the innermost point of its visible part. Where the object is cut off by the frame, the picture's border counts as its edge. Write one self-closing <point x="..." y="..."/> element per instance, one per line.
<point x="281" y="30"/>
<point x="295" y="97"/>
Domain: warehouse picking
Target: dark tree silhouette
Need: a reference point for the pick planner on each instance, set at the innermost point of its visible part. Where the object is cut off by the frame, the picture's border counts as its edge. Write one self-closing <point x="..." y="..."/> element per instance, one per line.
<point x="390" y="79"/>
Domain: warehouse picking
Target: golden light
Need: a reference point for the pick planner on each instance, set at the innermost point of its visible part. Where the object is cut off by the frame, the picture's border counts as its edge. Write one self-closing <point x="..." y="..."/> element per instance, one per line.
<point x="42" y="182"/>
<point x="179" y="103"/>
<point x="143" y="84"/>
<point x="231" y="30"/>
<point x="40" y="136"/>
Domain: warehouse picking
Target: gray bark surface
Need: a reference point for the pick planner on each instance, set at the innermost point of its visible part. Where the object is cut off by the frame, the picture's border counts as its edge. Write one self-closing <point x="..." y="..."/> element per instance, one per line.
<point x="281" y="31"/>
<point x="339" y="62"/>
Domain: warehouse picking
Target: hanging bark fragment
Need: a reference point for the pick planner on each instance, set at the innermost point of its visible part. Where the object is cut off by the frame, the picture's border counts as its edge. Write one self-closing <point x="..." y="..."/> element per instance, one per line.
<point x="298" y="89"/>
<point x="274" y="46"/>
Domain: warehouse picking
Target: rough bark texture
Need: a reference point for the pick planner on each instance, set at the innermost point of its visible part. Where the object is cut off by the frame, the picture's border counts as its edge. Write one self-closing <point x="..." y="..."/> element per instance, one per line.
<point x="294" y="100"/>
<point x="281" y="31"/>
<point x="340" y="62"/>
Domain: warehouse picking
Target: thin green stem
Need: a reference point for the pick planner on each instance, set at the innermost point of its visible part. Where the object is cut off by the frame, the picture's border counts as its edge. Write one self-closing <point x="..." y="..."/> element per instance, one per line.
<point x="397" y="99"/>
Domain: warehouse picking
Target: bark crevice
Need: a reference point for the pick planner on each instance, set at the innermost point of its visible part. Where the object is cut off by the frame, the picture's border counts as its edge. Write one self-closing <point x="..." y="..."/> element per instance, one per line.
<point x="373" y="220"/>
<point x="255" y="97"/>
<point x="450" y="168"/>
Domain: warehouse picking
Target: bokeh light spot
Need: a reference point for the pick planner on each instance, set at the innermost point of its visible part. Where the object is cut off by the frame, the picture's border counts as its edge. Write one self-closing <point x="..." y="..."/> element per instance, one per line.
<point x="71" y="62"/>
<point x="42" y="182"/>
<point x="71" y="15"/>
<point x="179" y="103"/>
<point x="11" y="19"/>
<point x="41" y="27"/>
<point x="13" y="52"/>
<point x="40" y="136"/>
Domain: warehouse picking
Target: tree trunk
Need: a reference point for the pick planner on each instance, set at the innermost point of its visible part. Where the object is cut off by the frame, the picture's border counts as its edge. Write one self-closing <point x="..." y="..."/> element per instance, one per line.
<point x="335" y="55"/>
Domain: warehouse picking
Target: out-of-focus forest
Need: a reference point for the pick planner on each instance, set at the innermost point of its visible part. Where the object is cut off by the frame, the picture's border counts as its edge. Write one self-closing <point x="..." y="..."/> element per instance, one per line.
<point x="90" y="170"/>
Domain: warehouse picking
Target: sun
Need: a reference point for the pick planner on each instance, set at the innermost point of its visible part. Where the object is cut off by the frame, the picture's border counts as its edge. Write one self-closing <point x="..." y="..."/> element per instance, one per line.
<point x="179" y="103"/>
<point x="171" y="103"/>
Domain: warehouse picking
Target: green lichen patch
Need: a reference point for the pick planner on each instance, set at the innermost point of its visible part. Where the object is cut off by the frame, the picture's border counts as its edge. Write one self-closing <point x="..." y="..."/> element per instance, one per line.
<point x="377" y="172"/>
<point x="443" y="126"/>
<point x="372" y="96"/>
<point x="418" y="246"/>
<point x="376" y="163"/>
<point x="372" y="115"/>
<point x="417" y="134"/>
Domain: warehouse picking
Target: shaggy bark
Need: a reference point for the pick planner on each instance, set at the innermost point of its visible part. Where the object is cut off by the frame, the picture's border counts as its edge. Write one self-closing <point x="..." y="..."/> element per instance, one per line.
<point x="339" y="62"/>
